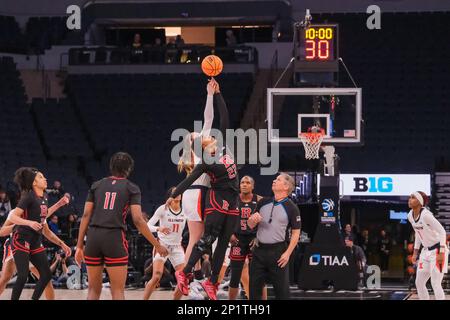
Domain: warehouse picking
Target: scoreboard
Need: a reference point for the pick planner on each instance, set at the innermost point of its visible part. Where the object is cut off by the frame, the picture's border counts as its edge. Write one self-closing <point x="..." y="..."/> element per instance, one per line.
<point x="316" y="48"/>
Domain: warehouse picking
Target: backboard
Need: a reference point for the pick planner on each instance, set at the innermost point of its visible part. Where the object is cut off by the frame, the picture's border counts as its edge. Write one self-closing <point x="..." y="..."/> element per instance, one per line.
<point x="336" y="110"/>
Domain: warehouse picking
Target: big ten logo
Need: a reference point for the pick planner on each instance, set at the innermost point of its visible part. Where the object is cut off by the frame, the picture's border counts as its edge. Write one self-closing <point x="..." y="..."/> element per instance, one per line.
<point x="373" y="273"/>
<point x="74" y="19"/>
<point x="374" y="20"/>
<point x="76" y="280"/>
<point x="373" y="184"/>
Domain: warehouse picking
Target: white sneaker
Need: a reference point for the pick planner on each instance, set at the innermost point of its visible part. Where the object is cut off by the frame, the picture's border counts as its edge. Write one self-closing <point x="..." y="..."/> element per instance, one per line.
<point x="196" y="291"/>
<point x="224" y="285"/>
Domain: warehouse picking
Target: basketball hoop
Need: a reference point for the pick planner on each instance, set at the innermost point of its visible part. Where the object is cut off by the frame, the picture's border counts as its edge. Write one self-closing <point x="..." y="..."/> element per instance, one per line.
<point x="311" y="142"/>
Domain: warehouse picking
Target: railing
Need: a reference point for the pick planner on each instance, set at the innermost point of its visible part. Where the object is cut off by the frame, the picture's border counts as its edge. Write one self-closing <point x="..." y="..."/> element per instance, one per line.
<point x="45" y="79"/>
<point x="159" y="55"/>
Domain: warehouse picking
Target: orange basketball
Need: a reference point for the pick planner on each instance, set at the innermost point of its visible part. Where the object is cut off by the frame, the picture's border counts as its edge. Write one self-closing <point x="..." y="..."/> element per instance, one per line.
<point x="212" y="65"/>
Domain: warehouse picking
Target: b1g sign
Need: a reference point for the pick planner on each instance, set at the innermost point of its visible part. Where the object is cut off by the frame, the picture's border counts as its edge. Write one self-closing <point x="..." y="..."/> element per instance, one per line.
<point x="384" y="184"/>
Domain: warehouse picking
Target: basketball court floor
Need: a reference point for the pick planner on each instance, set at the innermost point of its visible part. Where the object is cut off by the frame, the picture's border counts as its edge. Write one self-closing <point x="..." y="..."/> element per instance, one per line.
<point x="296" y="294"/>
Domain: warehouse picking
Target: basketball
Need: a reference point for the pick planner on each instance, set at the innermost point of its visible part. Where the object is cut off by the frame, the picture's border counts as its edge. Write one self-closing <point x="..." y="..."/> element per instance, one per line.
<point x="212" y="65"/>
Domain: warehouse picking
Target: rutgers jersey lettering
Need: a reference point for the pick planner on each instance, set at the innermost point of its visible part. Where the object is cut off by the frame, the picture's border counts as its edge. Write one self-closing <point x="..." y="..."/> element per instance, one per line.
<point x="245" y="214"/>
<point x="246" y="209"/>
<point x="229" y="165"/>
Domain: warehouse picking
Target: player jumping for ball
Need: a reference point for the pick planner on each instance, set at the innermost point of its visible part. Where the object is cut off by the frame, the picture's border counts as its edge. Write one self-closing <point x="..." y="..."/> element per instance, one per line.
<point x="221" y="212"/>
<point x="194" y="196"/>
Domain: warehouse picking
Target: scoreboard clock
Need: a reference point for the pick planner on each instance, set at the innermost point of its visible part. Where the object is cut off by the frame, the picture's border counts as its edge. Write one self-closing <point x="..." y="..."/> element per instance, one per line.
<point x="316" y="48"/>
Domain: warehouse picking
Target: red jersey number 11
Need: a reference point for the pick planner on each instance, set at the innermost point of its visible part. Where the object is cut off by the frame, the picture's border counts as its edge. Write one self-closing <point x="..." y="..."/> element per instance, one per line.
<point x="110" y="199"/>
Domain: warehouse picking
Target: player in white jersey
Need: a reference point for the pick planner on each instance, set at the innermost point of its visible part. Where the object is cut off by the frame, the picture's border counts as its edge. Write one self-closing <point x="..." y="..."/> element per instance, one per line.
<point x="433" y="260"/>
<point x="193" y="198"/>
<point x="170" y="232"/>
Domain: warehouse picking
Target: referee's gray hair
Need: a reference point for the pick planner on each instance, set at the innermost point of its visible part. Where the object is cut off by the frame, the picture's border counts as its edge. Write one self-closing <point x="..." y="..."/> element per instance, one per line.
<point x="290" y="181"/>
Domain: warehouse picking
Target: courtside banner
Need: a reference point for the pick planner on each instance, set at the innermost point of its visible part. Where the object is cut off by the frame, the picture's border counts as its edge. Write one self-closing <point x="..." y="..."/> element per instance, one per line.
<point x="362" y="184"/>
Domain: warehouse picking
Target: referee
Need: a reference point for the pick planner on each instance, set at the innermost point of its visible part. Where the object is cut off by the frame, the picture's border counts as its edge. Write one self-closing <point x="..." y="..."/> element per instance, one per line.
<point x="274" y="217"/>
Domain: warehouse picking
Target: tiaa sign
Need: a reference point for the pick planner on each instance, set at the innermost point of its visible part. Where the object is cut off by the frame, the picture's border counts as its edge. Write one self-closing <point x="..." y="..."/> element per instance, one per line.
<point x="383" y="184"/>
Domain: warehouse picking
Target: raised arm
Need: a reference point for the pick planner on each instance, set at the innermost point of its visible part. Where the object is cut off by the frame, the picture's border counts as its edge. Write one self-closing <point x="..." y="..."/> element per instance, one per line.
<point x="208" y="115"/>
<point x="61" y="203"/>
<point x="223" y="113"/>
<point x="188" y="181"/>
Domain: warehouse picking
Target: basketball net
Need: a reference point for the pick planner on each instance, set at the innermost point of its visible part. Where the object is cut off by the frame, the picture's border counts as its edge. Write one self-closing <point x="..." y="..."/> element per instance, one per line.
<point x="311" y="142"/>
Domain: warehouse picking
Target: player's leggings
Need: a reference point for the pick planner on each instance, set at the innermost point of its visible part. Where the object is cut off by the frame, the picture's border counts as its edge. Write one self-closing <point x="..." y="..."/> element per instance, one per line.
<point x="25" y="251"/>
<point x="219" y="226"/>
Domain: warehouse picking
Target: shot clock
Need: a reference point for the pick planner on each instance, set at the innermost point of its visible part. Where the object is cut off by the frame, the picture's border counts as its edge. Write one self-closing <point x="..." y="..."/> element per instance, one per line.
<point x="316" y="48"/>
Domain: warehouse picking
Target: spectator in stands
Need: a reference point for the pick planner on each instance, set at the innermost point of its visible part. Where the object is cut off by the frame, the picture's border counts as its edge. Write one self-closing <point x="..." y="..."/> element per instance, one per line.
<point x="172" y="52"/>
<point x="365" y="244"/>
<point x="137" y="42"/>
<point x="56" y="192"/>
<point x="356" y="235"/>
<point x="348" y="233"/>
<point x="137" y="49"/>
<point x="158" y="43"/>
<point x="231" y="39"/>
<point x="53" y="225"/>
<point x="179" y="41"/>
<point x="5" y="205"/>
<point x="359" y="256"/>
<point x="384" y="247"/>
<point x="70" y="226"/>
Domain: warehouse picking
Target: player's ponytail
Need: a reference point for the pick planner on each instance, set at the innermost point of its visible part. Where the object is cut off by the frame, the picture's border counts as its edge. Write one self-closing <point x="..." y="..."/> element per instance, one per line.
<point x="185" y="163"/>
<point x="24" y="178"/>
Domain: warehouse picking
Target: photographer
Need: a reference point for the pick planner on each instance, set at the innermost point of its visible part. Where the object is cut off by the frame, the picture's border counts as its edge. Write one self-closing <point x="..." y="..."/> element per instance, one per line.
<point x="59" y="268"/>
<point x="360" y="259"/>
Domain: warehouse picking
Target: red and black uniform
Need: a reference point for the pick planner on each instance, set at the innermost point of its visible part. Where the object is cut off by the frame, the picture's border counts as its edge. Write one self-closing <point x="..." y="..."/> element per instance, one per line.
<point x="105" y="240"/>
<point x="221" y="208"/>
<point x="245" y="236"/>
<point x="26" y="245"/>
